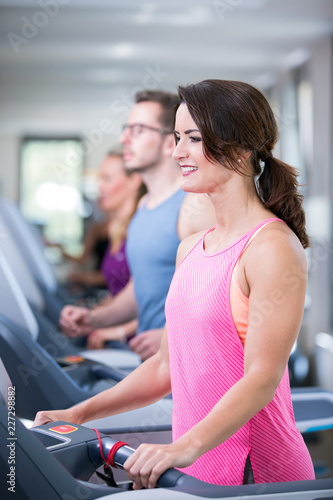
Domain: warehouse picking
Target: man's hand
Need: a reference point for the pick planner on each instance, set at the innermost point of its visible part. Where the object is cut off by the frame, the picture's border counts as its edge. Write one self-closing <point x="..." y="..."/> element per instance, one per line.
<point x="145" y="344"/>
<point x="76" y="321"/>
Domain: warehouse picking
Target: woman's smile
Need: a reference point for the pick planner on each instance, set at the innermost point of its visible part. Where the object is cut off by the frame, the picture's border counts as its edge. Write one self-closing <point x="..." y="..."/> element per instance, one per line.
<point x="188" y="169"/>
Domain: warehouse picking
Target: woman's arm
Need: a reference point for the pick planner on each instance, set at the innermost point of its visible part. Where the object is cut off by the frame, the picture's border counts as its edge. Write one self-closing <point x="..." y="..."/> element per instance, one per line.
<point x="97" y="338"/>
<point x="89" y="278"/>
<point x="145" y="385"/>
<point x="274" y="268"/>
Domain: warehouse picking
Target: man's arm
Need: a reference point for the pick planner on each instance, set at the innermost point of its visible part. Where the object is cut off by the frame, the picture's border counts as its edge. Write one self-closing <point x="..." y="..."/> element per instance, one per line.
<point x="122" y="309"/>
<point x="79" y="321"/>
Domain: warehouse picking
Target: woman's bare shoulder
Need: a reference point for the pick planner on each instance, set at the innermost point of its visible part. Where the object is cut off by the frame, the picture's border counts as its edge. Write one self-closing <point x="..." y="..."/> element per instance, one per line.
<point x="276" y="247"/>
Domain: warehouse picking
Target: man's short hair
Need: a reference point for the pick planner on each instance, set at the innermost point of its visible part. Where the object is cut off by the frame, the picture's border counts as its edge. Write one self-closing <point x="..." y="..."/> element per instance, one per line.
<point x="168" y="102"/>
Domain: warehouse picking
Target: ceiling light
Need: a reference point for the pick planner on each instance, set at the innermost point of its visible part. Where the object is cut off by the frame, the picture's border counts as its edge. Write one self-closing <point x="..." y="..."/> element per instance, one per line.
<point x="296" y="58"/>
<point x="122" y="51"/>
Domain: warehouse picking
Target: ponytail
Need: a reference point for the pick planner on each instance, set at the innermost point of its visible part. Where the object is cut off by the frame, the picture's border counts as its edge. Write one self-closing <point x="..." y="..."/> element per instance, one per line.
<point x="278" y="189"/>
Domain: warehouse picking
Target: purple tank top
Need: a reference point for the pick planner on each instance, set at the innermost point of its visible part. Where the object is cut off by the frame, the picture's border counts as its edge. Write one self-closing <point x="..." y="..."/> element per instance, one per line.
<point x="115" y="269"/>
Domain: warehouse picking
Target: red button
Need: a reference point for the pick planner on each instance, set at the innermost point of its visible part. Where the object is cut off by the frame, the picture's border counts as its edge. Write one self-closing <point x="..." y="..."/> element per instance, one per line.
<point x="63" y="429"/>
<point x="74" y="359"/>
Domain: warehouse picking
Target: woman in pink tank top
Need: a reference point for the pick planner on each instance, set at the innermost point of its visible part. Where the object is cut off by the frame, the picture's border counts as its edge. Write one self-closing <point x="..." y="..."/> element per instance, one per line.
<point x="232" y="405"/>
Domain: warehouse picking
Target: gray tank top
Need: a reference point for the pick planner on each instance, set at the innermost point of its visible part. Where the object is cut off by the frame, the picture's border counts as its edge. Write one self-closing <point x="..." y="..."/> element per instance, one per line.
<point x="151" y="247"/>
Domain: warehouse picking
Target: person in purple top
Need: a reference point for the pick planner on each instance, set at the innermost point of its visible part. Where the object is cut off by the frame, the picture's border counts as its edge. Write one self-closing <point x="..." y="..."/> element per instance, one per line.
<point x="114" y="268"/>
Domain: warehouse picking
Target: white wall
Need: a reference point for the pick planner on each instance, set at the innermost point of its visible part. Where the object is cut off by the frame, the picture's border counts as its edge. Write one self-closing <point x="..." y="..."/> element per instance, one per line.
<point x="320" y="191"/>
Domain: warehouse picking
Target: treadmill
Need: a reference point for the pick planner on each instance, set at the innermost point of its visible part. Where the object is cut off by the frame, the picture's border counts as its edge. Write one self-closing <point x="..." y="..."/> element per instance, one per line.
<point x="57" y="461"/>
<point x="54" y="296"/>
<point x="44" y="380"/>
<point x="31" y="247"/>
<point x="22" y="302"/>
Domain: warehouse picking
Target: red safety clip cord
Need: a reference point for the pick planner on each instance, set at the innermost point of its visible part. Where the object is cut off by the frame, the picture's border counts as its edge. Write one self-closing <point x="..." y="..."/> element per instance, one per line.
<point x="112" y="452"/>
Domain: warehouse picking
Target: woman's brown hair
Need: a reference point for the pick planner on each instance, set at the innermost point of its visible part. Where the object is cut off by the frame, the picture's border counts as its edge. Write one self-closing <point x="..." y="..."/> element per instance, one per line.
<point x="235" y="117"/>
<point x="142" y="190"/>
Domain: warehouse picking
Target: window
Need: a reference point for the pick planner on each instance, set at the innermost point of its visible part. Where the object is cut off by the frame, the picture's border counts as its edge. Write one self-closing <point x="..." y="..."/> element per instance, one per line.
<point x="296" y="127"/>
<point x="50" y="188"/>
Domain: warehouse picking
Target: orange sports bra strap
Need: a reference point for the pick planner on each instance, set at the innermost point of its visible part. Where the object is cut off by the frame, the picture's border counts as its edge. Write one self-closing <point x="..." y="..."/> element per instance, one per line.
<point x="264" y="224"/>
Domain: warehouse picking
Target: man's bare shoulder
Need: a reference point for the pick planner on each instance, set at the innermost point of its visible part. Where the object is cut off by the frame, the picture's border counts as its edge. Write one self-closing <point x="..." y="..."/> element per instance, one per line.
<point x="194" y="203"/>
<point x="197" y="213"/>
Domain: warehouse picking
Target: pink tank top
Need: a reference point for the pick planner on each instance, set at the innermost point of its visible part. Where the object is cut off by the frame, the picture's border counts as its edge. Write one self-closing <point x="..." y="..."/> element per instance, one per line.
<point x="207" y="359"/>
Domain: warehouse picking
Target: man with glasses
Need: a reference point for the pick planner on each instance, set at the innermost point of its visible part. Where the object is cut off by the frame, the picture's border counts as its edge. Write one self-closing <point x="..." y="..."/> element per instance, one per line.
<point x="165" y="216"/>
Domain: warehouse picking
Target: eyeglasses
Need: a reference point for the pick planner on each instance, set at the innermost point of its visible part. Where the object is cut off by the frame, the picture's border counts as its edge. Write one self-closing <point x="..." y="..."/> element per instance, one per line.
<point x="137" y="128"/>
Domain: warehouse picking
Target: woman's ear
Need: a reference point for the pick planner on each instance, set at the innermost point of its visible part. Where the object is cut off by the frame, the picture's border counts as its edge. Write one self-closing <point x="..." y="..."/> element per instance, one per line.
<point x="245" y="155"/>
<point x="242" y="156"/>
